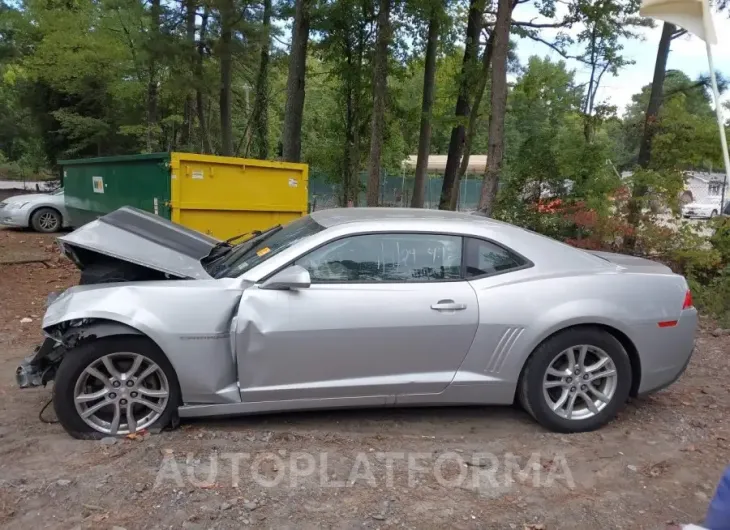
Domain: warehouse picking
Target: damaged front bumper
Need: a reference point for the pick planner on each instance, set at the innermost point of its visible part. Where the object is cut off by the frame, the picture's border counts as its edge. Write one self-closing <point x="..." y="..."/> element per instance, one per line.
<point x="40" y="367"/>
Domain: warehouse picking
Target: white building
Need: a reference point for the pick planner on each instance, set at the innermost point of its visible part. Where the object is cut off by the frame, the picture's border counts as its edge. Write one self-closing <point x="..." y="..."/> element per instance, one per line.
<point x="703" y="187"/>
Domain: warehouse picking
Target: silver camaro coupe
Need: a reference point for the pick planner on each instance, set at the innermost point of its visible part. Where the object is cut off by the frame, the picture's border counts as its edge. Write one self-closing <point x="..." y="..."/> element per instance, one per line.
<point x="353" y="307"/>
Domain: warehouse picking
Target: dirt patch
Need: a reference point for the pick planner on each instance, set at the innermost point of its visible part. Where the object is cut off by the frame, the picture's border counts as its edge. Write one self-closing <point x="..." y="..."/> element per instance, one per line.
<point x="24" y="287"/>
<point x="411" y="468"/>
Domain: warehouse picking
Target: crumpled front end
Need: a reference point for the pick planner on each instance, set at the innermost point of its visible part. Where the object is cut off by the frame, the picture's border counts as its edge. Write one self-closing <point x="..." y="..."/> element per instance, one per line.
<point x="40" y="367"/>
<point x="190" y="321"/>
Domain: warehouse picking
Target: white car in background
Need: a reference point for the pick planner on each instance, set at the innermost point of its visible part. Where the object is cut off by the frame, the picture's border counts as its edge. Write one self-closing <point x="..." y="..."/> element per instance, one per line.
<point x="43" y="212"/>
<point x="707" y="208"/>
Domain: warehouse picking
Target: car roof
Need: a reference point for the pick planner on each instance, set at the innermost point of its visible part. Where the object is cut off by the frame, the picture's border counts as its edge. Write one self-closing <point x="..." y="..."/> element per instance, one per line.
<point x="550" y="253"/>
<point x="338" y="216"/>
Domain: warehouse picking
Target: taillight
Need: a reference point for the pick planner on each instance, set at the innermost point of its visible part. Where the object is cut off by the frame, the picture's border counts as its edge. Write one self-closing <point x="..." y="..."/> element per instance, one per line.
<point x="687" y="300"/>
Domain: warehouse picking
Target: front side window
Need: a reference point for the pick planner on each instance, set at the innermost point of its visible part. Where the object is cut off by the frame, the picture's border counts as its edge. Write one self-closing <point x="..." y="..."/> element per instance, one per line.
<point x="386" y="258"/>
<point x="484" y="258"/>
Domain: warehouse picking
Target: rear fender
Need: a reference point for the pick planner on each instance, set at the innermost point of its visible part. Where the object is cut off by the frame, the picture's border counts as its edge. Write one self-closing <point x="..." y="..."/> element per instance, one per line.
<point x="541" y="326"/>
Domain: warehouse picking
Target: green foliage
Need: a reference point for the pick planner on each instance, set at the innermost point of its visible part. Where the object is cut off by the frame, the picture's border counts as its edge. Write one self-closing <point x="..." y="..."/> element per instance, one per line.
<point x="686" y="134"/>
<point x="720" y="239"/>
<point x="706" y="264"/>
<point x="82" y="131"/>
<point x="548" y="155"/>
<point x="707" y="268"/>
<point x="685" y="139"/>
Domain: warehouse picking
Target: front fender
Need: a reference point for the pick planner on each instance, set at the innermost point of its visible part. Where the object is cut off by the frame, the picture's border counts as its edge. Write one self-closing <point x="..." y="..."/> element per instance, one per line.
<point x="108" y="308"/>
<point x="189" y="320"/>
<point x="97" y="330"/>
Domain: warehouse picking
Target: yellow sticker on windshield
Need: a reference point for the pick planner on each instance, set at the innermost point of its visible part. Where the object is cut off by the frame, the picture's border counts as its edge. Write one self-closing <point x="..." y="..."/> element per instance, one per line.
<point x="263" y="251"/>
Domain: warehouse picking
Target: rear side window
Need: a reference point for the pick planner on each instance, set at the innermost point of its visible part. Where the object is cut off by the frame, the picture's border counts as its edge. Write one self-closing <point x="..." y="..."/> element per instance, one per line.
<point x="483" y="258"/>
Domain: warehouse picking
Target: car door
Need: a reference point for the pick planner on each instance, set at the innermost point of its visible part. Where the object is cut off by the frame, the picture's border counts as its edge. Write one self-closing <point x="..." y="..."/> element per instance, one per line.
<point x="386" y="314"/>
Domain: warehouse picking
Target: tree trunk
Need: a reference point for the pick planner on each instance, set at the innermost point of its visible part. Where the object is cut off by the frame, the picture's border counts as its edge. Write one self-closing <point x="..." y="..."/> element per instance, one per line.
<point x="380" y="87"/>
<point x="190" y="59"/>
<point x="292" y="136"/>
<point x="155" y="15"/>
<point x="225" y="51"/>
<point x="655" y="97"/>
<point x="351" y="83"/>
<point x="588" y="107"/>
<point x="354" y="156"/>
<point x="652" y="111"/>
<point x="260" y="114"/>
<point x="424" y="137"/>
<point x="473" y="117"/>
<point x="495" y="149"/>
<point x="199" y="100"/>
<point x="347" y="174"/>
<point x="456" y="143"/>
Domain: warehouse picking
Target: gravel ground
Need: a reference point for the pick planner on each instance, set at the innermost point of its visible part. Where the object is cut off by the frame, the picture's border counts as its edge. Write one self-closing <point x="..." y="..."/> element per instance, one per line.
<point x="656" y="465"/>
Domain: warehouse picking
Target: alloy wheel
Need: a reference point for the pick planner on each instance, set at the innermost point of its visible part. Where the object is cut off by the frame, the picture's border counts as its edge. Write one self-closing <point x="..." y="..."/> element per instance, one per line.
<point x="48" y="221"/>
<point x="580" y="382"/>
<point x="121" y="393"/>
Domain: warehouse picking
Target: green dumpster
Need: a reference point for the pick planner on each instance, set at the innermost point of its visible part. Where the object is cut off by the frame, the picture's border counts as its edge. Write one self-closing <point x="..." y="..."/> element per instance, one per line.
<point x="96" y="186"/>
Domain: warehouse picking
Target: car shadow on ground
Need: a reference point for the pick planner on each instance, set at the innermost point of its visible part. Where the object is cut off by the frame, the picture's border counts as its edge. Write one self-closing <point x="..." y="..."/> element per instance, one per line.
<point x="418" y="419"/>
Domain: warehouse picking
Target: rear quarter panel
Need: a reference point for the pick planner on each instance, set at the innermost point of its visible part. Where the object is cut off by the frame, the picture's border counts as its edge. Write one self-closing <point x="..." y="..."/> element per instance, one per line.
<point x="517" y="311"/>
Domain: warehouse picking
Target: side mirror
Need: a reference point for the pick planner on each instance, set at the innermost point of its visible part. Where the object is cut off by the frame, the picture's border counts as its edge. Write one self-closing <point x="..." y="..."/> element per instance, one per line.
<point x="294" y="277"/>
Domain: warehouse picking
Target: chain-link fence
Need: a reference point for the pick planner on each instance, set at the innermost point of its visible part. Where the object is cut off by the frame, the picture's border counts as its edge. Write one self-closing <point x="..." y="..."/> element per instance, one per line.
<point x="395" y="191"/>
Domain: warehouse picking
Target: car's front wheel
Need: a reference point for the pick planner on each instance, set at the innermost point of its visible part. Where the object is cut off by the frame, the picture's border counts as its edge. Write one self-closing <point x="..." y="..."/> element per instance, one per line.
<point x="577" y="380"/>
<point x="115" y="386"/>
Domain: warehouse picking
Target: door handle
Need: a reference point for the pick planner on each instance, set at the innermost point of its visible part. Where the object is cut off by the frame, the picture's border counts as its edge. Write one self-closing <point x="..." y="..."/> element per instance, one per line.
<point x="448" y="305"/>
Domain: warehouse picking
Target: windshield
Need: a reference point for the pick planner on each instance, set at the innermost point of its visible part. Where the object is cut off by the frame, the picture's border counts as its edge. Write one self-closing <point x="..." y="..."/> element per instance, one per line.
<point x="245" y="256"/>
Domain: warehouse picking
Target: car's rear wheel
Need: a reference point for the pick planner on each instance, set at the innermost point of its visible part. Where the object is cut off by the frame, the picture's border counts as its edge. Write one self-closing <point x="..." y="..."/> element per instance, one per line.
<point x="113" y="387"/>
<point x="46" y="220"/>
<point x="713" y="214"/>
<point x="577" y="380"/>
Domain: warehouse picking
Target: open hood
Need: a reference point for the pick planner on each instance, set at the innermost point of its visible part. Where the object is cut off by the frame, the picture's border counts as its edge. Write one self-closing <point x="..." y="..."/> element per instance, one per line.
<point x="144" y="239"/>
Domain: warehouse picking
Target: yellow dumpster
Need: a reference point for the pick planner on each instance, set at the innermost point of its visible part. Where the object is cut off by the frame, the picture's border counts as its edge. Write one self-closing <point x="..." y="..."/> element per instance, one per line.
<point x="225" y="196"/>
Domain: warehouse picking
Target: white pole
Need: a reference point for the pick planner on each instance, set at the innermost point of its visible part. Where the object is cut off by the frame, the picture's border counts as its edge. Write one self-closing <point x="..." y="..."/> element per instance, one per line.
<point x="720" y="122"/>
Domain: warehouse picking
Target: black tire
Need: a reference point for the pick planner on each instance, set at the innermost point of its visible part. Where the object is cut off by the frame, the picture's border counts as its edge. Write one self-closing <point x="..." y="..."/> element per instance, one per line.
<point x="110" y="272"/>
<point x="46" y="220"/>
<point x="79" y="358"/>
<point x="713" y="214"/>
<point x="530" y="388"/>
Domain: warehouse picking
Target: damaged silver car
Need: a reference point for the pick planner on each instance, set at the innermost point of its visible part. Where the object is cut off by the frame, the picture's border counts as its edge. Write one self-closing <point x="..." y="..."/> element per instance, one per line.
<point x="355" y="307"/>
